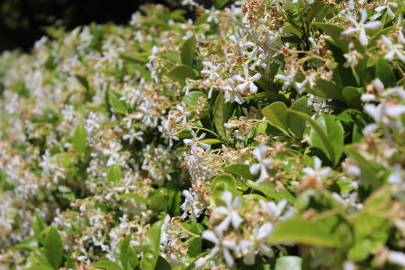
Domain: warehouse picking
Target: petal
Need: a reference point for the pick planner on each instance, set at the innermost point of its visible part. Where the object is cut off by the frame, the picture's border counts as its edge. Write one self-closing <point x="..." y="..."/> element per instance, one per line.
<point x="236" y="219"/>
<point x="228" y="257"/>
<point x="256" y="77"/>
<point x="210" y="236"/>
<point x="363" y="37"/>
<point x="224" y="225"/>
<point x="253" y="88"/>
<point x="373" y="25"/>
<point x="349" y="31"/>
<point x="264" y="231"/>
<point x="254" y="169"/>
<point x="221" y="210"/>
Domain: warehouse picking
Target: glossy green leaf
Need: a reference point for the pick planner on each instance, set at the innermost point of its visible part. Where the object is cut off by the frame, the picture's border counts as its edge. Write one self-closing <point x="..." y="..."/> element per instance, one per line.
<point x="241" y="170"/>
<point x="38" y="226"/>
<point x="181" y="73"/>
<point x="222" y="112"/>
<point x="114" y="173"/>
<point x="294" y="122"/>
<point x="80" y="138"/>
<point x="384" y="73"/>
<point x="333" y="130"/>
<point x="117" y="105"/>
<point x="188" y="50"/>
<point x="276" y="113"/>
<point x="300" y="231"/>
<point x="151" y="251"/>
<point x="53" y="248"/>
<point x="106" y="264"/>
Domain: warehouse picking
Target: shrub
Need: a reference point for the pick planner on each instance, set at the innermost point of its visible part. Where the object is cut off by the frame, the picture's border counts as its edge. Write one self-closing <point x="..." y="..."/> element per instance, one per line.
<point x="261" y="135"/>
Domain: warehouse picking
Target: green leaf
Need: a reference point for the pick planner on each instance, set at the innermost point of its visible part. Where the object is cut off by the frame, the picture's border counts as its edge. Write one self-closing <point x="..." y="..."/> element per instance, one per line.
<point x="288" y="263"/>
<point x="80" y="138"/>
<point x="240" y="170"/>
<point x="372" y="173"/>
<point x="270" y="192"/>
<point x="333" y="130"/>
<point x="220" y="3"/>
<point x="222" y="183"/>
<point x="116" y="104"/>
<point x="352" y="94"/>
<point x="191" y="99"/>
<point x="222" y="112"/>
<point x="334" y="31"/>
<point x="187" y="51"/>
<point x="124" y="246"/>
<point x="294" y="122"/>
<point x="276" y="113"/>
<point x="195" y="247"/>
<point x="38" y="227"/>
<point x="181" y="73"/>
<point x="114" y="173"/>
<point x="328" y="148"/>
<point x="53" y="248"/>
<point x="384" y="73"/>
<point x="211" y="141"/>
<point x="106" y="264"/>
<point x="151" y="250"/>
<point x="300" y="231"/>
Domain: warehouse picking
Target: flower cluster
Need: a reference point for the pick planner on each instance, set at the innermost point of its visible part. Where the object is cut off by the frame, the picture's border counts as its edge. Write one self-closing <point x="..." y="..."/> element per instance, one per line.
<point x="262" y="134"/>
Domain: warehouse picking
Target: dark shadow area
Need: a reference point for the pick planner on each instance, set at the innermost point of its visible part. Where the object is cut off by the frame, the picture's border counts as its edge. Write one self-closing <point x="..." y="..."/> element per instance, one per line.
<point x="22" y="22"/>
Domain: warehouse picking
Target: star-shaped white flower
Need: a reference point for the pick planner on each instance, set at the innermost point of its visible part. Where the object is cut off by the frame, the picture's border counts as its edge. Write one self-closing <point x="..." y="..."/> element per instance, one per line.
<point x="263" y="164"/>
<point x="394" y="49"/>
<point x="361" y="27"/>
<point x="229" y="211"/>
<point x="246" y="82"/>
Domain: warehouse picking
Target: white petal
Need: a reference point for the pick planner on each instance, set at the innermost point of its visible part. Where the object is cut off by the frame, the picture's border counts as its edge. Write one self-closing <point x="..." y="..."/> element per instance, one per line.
<point x="236" y="219"/>
<point x="221" y="210"/>
<point x="253" y="88"/>
<point x="210" y="236"/>
<point x="349" y="31"/>
<point x="228" y="257"/>
<point x="224" y="225"/>
<point x="264" y="231"/>
<point x="397" y="258"/>
<point x="256" y="77"/>
<point x="363" y="37"/>
<point x="254" y="169"/>
<point x="373" y="25"/>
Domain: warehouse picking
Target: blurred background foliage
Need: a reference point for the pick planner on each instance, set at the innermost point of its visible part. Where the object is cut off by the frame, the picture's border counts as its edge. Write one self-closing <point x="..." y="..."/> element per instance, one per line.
<point x="22" y="22"/>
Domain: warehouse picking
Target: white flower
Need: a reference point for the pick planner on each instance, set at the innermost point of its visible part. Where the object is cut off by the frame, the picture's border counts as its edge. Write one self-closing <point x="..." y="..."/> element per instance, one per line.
<point x="194" y="142"/>
<point x="246" y="82"/>
<point x="388" y="7"/>
<point x="384" y="115"/>
<point x="396" y="257"/>
<point x="361" y="27"/>
<point x="221" y="245"/>
<point x="277" y="211"/>
<point x="191" y="205"/>
<point x="349" y="201"/>
<point x="287" y="79"/>
<point x="377" y="85"/>
<point x="263" y="165"/>
<point x="210" y="70"/>
<point x="310" y="80"/>
<point x="394" y="49"/>
<point x="230" y="211"/>
<point x="397" y="175"/>
<point x="250" y="247"/>
<point x="317" y="171"/>
<point x="231" y="94"/>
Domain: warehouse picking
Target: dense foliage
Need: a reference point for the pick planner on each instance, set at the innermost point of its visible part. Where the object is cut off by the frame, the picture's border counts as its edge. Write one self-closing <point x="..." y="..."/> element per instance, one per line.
<point x="267" y="134"/>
